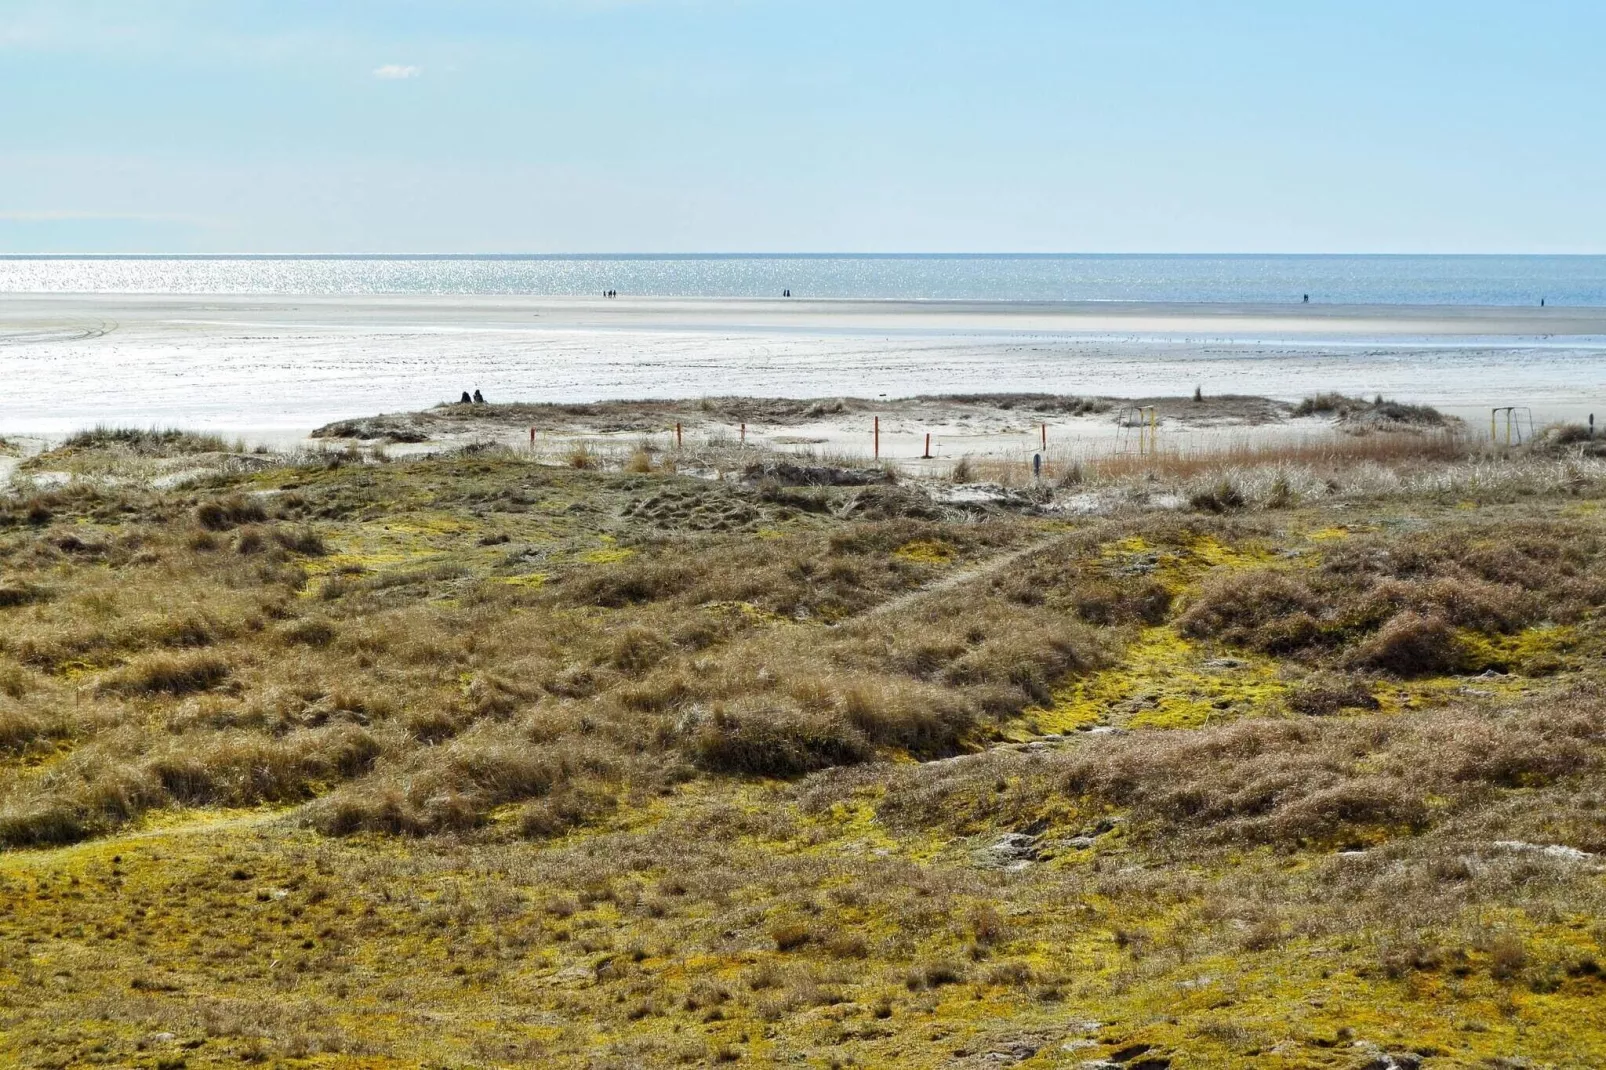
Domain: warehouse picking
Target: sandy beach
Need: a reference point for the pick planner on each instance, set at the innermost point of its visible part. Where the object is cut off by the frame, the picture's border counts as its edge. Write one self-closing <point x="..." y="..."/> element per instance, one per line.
<point x="277" y="367"/>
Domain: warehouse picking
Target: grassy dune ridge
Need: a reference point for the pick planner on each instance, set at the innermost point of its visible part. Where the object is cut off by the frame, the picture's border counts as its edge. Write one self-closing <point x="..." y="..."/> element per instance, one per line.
<point x="474" y="760"/>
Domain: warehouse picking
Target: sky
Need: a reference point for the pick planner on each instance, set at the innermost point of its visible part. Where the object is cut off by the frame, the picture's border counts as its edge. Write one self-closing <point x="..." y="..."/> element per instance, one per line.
<point x="552" y="126"/>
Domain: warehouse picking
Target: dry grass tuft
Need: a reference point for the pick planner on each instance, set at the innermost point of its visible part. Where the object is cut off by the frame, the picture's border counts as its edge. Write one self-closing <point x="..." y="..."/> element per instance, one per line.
<point x="230" y="512"/>
<point x="169" y="673"/>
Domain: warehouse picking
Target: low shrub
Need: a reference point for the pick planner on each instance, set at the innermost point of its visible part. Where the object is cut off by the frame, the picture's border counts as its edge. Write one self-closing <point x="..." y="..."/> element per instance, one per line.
<point x="18" y="729"/>
<point x="934" y="975"/>
<point x="756" y="740"/>
<point x="308" y="631"/>
<point x="570" y="807"/>
<point x="231" y="512"/>
<point x="41" y="822"/>
<point x="1413" y="644"/>
<point x="18" y="593"/>
<point x="1378" y="410"/>
<point x="790" y="935"/>
<point x="148" y="441"/>
<point x="1223" y="497"/>
<point x="1325" y="696"/>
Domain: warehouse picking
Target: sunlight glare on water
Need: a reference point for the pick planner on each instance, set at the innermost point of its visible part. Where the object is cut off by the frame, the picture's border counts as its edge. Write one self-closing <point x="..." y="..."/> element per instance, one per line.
<point x="1431" y="280"/>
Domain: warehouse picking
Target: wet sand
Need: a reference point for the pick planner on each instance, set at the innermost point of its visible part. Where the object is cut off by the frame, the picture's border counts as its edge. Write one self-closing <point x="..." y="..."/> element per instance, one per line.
<point x="277" y="366"/>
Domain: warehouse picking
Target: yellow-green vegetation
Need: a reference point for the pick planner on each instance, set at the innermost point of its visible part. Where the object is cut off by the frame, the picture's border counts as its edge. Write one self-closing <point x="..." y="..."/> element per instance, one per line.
<point x="475" y="761"/>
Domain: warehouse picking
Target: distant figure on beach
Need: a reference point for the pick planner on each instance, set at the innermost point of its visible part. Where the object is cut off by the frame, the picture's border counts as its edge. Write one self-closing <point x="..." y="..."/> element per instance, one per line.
<point x="1541" y="302"/>
<point x="465" y="399"/>
<point x="786" y="293"/>
<point x="479" y="398"/>
<point x="1306" y="301"/>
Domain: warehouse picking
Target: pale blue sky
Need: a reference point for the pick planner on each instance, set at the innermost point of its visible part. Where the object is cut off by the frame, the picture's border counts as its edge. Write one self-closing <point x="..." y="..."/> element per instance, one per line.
<point x="767" y="125"/>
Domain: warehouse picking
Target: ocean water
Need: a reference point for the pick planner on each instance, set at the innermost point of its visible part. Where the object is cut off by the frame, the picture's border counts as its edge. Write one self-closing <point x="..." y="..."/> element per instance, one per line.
<point x="1368" y="280"/>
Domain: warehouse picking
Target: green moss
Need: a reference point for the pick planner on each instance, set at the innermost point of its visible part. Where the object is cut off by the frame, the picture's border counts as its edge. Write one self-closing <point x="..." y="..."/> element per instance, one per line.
<point x="1163" y="680"/>
<point x="925" y="552"/>
<point x="607" y="555"/>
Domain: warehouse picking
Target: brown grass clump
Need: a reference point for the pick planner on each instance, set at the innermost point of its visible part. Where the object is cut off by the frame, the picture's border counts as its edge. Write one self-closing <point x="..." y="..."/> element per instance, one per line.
<point x="570" y="807"/>
<point x="172" y="674"/>
<point x="98" y="787"/>
<point x="790" y="935"/>
<point x="1285" y="784"/>
<point x="1324" y="696"/>
<point x="1399" y="604"/>
<point x="225" y="513"/>
<point x="774" y="742"/>
<point x="21" y="594"/>
<point x="309" y="631"/>
<point x="1378" y="411"/>
<point x="152" y="441"/>
<point x="1410" y="644"/>
<point x="456" y="786"/>
<point x="18" y="729"/>
<point x="1224" y="497"/>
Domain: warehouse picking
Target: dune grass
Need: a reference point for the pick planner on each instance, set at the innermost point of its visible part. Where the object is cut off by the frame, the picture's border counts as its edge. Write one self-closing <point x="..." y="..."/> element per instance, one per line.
<point x="512" y="762"/>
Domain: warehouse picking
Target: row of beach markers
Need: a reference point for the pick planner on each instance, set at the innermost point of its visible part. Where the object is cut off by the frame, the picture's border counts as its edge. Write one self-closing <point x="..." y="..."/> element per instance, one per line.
<point x="1146" y="422"/>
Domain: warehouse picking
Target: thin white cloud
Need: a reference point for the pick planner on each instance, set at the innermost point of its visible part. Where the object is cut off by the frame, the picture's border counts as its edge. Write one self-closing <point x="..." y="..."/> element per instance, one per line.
<point x="393" y="71"/>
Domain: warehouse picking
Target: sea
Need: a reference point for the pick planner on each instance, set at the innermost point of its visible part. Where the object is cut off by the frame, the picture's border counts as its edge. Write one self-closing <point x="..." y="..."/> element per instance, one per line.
<point x="1364" y="280"/>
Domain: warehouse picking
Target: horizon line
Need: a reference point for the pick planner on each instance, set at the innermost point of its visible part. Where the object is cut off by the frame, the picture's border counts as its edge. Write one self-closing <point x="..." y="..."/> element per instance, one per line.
<point x="782" y="256"/>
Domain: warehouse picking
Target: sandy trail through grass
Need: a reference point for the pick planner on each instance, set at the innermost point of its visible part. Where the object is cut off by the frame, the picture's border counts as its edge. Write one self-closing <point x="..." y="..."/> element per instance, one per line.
<point x="990" y="567"/>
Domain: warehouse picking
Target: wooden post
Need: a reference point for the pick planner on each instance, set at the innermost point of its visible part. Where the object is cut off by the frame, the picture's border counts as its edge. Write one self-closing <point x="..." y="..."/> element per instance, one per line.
<point x="927" y="455"/>
<point x="1045" y="436"/>
<point x="878" y="438"/>
<point x="532" y="440"/>
<point x="744" y="432"/>
<point x="677" y="434"/>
